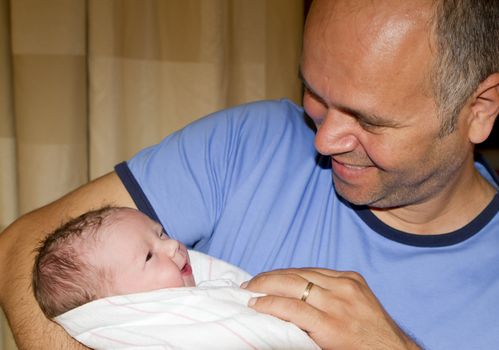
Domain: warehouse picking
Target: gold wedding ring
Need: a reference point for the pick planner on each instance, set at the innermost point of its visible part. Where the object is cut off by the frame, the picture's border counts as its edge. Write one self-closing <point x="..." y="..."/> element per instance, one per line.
<point x="306" y="292"/>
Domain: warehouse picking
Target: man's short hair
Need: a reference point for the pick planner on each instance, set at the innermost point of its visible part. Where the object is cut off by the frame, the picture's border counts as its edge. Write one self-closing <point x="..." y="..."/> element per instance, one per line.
<point x="466" y="33"/>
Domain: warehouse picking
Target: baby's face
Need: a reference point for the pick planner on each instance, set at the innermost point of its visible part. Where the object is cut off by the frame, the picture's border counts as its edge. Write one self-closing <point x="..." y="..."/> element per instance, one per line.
<point x="140" y="256"/>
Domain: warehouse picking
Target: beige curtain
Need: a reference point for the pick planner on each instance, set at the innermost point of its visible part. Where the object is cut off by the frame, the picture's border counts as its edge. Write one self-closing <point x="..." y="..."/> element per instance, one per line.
<point x="85" y="84"/>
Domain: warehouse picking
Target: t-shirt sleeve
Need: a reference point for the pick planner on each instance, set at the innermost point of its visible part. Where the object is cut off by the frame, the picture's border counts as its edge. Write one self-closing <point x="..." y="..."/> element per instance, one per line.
<point x="186" y="180"/>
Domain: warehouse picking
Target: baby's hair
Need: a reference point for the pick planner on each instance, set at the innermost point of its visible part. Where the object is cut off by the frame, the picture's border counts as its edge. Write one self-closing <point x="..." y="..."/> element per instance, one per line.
<point x="63" y="278"/>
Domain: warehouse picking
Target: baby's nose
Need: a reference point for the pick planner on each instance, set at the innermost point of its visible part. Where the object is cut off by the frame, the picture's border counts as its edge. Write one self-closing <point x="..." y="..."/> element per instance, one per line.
<point x="171" y="246"/>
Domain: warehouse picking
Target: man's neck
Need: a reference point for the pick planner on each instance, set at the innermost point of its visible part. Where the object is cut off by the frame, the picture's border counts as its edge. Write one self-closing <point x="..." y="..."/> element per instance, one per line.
<point x="452" y="208"/>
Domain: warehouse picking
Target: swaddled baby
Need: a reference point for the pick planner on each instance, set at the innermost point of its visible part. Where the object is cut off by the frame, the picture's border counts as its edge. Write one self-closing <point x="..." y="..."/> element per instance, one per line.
<point x="113" y="279"/>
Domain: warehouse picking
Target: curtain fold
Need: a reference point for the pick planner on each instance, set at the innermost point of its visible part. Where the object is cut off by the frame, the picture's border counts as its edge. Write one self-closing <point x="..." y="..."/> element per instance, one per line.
<point x="156" y="65"/>
<point x="9" y="209"/>
<point x="50" y="98"/>
<point x="8" y="181"/>
<point x="87" y="83"/>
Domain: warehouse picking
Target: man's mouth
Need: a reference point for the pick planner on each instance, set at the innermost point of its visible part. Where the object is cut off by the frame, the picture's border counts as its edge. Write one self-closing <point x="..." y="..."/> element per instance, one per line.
<point x="351" y="166"/>
<point x="351" y="173"/>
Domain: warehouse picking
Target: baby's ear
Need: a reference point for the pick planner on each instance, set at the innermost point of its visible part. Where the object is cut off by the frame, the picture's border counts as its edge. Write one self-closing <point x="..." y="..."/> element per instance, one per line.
<point x="484" y="109"/>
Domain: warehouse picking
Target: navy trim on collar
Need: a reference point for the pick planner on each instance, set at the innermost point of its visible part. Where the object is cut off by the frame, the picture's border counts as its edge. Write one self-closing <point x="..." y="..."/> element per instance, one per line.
<point x="440" y="240"/>
<point x="135" y="190"/>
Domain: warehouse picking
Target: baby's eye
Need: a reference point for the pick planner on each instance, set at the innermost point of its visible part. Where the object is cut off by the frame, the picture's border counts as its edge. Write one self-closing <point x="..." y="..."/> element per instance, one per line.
<point x="149" y="256"/>
<point x="162" y="234"/>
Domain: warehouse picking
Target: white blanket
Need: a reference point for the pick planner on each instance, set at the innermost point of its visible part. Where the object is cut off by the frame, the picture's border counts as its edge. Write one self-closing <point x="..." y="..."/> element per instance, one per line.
<point x="213" y="315"/>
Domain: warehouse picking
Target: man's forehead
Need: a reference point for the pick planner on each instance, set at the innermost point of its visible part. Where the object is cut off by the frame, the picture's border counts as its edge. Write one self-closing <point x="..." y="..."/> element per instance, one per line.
<point x="377" y="28"/>
<point x="368" y="10"/>
<point x="368" y="59"/>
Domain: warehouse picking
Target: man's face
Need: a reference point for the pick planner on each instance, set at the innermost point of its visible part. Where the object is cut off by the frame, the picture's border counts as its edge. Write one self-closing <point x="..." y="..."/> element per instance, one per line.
<point x="365" y="68"/>
<point x="140" y="256"/>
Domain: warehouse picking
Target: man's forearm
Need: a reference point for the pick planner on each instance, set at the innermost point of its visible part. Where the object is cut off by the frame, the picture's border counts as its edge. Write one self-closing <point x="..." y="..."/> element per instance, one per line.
<point x="33" y="331"/>
<point x="29" y="326"/>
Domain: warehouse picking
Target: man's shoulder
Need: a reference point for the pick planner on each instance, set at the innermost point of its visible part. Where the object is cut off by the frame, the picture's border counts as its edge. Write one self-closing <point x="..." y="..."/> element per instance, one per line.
<point x="263" y="113"/>
<point x="279" y="106"/>
<point x="254" y="124"/>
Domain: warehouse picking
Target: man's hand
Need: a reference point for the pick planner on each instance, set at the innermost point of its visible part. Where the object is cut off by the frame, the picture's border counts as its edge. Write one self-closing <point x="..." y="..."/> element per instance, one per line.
<point x="340" y="312"/>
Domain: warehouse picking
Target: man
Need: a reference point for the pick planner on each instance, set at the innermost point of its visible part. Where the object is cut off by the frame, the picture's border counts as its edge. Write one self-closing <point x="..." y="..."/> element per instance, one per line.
<point x="406" y="238"/>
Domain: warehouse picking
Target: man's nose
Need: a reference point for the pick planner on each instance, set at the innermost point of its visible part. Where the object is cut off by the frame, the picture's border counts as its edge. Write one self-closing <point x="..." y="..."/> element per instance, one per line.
<point x="336" y="134"/>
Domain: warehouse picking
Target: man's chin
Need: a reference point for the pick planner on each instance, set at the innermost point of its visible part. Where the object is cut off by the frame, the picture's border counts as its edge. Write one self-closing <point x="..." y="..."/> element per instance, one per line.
<point x="373" y="201"/>
<point x="361" y="197"/>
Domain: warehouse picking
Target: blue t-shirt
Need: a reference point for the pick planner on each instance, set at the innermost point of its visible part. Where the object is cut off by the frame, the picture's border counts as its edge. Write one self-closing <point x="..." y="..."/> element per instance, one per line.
<point x="247" y="186"/>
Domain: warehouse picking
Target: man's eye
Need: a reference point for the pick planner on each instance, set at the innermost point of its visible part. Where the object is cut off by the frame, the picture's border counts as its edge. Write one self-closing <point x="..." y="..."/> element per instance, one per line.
<point x="366" y="125"/>
<point x="369" y="126"/>
<point x="149" y="256"/>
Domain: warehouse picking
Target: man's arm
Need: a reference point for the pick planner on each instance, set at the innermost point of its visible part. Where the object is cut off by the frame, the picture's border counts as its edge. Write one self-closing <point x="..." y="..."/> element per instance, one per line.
<point x="30" y="327"/>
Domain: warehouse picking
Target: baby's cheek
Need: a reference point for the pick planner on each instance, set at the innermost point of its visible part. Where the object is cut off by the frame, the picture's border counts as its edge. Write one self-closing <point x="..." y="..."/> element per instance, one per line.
<point x="189" y="281"/>
<point x="171" y="279"/>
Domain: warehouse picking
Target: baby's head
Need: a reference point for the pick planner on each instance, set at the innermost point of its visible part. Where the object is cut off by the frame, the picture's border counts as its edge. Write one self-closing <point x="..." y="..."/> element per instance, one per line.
<point x="106" y="252"/>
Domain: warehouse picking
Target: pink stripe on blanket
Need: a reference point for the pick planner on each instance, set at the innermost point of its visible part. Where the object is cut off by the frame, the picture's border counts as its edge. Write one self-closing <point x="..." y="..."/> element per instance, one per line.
<point x="244" y="340"/>
<point x="210" y="277"/>
<point x="112" y="339"/>
<point x="152" y="312"/>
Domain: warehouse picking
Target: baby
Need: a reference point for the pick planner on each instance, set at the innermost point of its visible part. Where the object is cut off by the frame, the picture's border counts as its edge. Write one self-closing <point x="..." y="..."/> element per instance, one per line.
<point x="113" y="279"/>
<point x="110" y="251"/>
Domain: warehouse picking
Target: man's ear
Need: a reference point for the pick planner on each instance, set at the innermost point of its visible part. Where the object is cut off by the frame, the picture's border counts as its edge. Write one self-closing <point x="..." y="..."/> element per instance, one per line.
<point x="484" y="109"/>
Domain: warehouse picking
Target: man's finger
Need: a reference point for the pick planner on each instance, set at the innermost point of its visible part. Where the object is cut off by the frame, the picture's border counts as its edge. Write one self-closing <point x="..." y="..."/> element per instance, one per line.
<point x="292" y="283"/>
<point x="286" y="285"/>
<point x="315" y="274"/>
<point x="303" y="315"/>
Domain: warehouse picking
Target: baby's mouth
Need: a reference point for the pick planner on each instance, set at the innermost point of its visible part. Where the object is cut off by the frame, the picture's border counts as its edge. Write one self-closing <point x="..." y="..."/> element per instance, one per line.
<point x="186" y="270"/>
